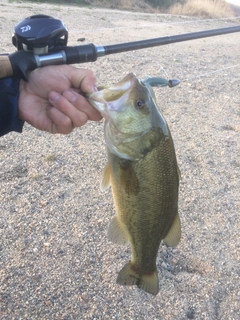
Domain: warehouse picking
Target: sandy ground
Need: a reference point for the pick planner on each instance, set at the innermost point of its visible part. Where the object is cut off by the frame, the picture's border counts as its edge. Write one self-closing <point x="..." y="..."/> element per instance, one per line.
<point x="55" y="259"/>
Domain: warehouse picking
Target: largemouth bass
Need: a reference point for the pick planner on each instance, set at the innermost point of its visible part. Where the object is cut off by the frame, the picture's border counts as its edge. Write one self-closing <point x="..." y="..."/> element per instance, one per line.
<point x="143" y="173"/>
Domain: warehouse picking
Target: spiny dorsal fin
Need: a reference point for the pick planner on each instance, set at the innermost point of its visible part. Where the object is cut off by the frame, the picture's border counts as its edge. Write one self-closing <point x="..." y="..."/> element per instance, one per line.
<point x="174" y="234"/>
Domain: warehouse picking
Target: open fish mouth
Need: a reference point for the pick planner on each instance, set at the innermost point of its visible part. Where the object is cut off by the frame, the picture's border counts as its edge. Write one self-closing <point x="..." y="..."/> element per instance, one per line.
<point x="113" y="98"/>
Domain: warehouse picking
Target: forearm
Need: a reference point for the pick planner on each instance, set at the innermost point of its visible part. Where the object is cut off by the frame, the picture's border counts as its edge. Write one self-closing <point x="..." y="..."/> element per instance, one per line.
<point x="9" y="94"/>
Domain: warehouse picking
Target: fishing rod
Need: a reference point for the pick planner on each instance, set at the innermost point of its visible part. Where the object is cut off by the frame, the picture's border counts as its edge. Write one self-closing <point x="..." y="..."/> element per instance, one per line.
<point x="41" y="40"/>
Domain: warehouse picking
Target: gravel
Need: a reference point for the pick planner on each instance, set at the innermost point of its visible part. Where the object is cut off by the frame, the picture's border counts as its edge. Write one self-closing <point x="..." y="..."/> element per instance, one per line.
<point x="55" y="259"/>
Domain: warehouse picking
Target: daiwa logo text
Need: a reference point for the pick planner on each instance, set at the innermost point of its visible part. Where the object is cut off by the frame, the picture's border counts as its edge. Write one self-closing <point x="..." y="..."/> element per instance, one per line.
<point x="26" y="28"/>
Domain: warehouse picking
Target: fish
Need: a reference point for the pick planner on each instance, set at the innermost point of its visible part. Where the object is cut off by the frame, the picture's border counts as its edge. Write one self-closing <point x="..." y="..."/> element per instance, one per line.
<point x="143" y="173"/>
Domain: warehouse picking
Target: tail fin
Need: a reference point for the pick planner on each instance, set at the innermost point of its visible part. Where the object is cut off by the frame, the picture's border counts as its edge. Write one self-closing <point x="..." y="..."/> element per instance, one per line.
<point x="148" y="282"/>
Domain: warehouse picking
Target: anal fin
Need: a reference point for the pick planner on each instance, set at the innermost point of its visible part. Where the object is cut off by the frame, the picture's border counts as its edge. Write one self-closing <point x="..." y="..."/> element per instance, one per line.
<point x="174" y="234"/>
<point x="129" y="277"/>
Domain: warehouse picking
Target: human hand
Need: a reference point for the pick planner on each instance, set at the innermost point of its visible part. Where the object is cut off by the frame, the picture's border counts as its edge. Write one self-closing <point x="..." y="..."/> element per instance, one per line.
<point x="51" y="100"/>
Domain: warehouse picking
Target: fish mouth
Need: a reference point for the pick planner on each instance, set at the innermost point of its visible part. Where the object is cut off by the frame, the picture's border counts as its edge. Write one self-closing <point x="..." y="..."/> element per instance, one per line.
<point x="115" y="97"/>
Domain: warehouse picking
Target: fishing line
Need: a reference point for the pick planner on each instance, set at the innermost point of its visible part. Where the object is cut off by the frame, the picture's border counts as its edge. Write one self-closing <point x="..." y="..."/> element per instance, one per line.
<point x="204" y="20"/>
<point x="166" y="73"/>
<point x="190" y="79"/>
<point x="156" y="22"/>
<point x="209" y="73"/>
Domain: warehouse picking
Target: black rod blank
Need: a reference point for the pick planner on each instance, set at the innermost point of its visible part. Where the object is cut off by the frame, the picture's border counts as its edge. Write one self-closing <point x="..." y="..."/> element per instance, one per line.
<point x="135" y="45"/>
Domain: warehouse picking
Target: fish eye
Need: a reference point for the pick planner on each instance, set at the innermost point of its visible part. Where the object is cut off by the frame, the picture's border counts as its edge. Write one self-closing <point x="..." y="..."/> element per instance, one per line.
<point x="140" y="104"/>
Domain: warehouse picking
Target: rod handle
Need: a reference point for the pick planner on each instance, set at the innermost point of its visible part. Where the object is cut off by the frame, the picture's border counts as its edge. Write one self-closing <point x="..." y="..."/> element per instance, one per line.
<point x="5" y="67"/>
<point x="18" y="63"/>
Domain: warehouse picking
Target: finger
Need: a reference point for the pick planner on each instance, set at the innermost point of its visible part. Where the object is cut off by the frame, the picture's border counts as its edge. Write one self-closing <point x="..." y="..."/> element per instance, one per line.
<point x="77" y="117"/>
<point x="60" y="122"/>
<point x="82" y="105"/>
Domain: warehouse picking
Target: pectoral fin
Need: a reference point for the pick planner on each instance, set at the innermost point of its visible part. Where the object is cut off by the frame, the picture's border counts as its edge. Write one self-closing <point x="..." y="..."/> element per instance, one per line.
<point x="174" y="234"/>
<point x="105" y="182"/>
<point x="116" y="232"/>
